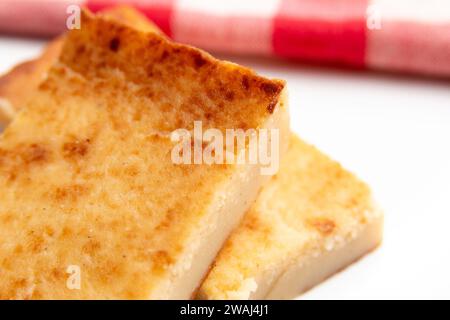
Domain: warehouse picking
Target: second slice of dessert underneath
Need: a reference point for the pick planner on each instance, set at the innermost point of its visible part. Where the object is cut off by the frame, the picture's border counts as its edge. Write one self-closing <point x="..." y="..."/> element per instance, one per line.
<point x="313" y="219"/>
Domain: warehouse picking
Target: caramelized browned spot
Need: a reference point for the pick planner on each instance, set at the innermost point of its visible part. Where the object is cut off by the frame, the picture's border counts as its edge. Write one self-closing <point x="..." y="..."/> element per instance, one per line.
<point x="254" y="223"/>
<point x="20" y="283"/>
<point x="270" y="88"/>
<point x="18" y="249"/>
<point x="164" y="55"/>
<point x="161" y="260"/>
<point x="229" y="95"/>
<point x="323" y="225"/>
<point x="66" y="232"/>
<point x="20" y="158"/>
<point x="49" y="231"/>
<point x="198" y="59"/>
<point x="35" y="153"/>
<point x="69" y="192"/>
<point x="271" y="106"/>
<point x="131" y="170"/>
<point x="114" y="44"/>
<point x="81" y="49"/>
<point x="165" y="223"/>
<point x="57" y="274"/>
<point x="91" y="247"/>
<point x="35" y="243"/>
<point x="245" y="83"/>
<point x="76" y="148"/>
<point x="7" y="217"/>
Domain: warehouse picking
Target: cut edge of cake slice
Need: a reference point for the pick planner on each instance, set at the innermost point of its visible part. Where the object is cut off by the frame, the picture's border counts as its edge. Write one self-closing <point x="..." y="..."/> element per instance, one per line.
<point x="241" y="191"/>
<point x="299" y="277"/>
<point x="310" y="221"/>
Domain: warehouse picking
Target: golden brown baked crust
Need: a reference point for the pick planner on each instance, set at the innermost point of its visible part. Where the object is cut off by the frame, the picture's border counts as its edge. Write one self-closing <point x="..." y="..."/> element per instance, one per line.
<point x="86" y="174"/>
<point x="19" y="83"/>
<point x="30" y="74"/>
<point x="310" y="207"/>
<point x="163" y="67"/>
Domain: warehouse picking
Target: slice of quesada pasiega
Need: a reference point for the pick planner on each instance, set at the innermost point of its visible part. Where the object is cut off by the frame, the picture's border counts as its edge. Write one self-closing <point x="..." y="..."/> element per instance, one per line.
<point x="92" y="205"/>
<point x="310" y="221"/>
<point x="310" y="169"/>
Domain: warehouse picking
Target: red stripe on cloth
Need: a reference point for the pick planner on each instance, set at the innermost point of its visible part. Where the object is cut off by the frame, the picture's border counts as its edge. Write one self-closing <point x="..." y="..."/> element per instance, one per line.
<point x="159" y="11"/>
<point x="326" y="31"/>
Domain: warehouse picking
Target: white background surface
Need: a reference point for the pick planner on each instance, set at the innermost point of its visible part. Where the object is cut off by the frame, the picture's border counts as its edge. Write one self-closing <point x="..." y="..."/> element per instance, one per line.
<point x="394" y="132"/>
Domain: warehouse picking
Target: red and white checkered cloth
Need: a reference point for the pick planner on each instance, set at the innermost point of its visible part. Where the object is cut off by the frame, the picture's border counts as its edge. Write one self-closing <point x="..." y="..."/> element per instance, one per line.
<point x="398" y="35"/>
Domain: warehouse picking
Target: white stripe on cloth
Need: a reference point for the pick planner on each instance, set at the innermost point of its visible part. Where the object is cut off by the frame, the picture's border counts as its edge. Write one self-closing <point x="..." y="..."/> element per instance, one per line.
<point x="434" y="11"/>
<point x="259" y="8"/>
<point x="244" y="26"/>
<point x="413" y="36"/>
